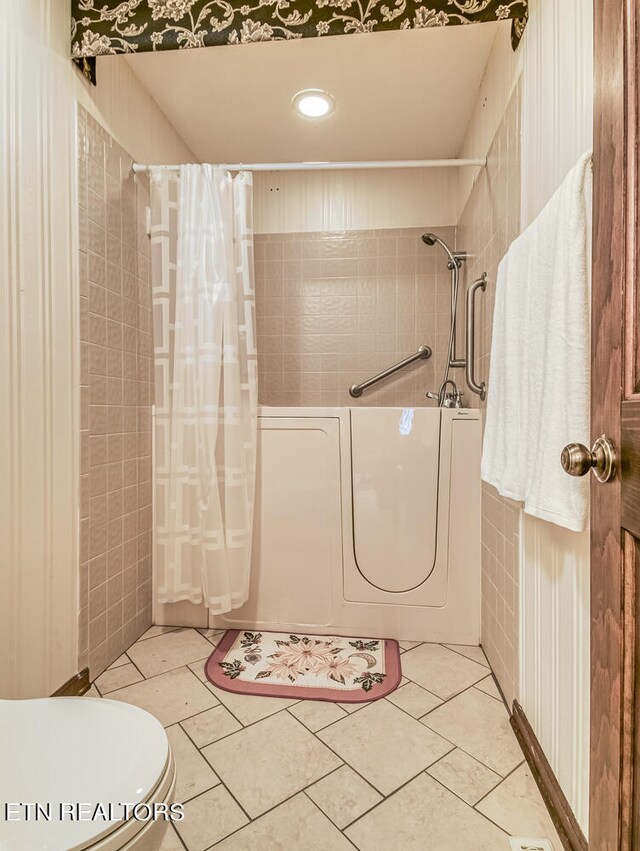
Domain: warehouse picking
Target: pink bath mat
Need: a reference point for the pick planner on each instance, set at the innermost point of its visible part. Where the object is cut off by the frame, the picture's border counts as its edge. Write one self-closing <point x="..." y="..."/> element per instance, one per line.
<point x="311" y="667"/>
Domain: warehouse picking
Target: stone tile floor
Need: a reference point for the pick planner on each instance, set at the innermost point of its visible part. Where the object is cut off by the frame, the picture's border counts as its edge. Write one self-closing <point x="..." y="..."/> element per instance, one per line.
<point x="432" y="767"/>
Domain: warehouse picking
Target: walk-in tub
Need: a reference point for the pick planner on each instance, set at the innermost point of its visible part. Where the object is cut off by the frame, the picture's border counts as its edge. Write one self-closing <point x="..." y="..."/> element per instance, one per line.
<point x="367" y="520"/>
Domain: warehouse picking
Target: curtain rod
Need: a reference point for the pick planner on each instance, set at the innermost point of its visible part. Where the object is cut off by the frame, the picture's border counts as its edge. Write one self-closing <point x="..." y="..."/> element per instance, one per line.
<point x="322" y="166"/>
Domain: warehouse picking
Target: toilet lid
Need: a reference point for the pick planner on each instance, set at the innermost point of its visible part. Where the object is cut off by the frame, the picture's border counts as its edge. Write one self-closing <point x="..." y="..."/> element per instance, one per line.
<point x="73" y="751"/>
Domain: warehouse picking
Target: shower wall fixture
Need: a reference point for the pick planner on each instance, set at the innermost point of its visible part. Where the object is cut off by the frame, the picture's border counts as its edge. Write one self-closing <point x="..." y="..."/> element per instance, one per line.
<point x="357" y="390"/>
<point x="452" y="398"/>
<point x="470" y="375"/>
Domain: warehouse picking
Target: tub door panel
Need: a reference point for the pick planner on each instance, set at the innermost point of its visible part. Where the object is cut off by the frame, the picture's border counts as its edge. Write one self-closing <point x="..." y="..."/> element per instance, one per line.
<point x="395" y="457"/>
<point x="297" y="543"/>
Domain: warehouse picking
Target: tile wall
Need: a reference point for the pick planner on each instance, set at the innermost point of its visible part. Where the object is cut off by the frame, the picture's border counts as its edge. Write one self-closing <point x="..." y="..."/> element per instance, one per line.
<point x="488" y="225"/>
<point x="115" y="399"/>
<point x="335" y="308"/>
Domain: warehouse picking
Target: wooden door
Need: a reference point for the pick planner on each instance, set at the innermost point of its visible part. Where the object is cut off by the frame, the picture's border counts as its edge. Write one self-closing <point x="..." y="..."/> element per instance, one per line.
<point x="615" y="399"/>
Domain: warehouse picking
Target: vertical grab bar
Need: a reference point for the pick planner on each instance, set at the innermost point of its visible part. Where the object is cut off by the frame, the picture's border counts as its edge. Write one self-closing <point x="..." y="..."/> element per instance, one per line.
<point x="472" y="384"/>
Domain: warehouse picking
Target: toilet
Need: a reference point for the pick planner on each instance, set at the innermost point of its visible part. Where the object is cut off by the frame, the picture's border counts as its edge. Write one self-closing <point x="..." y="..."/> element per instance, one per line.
<point x="76" y="751"/>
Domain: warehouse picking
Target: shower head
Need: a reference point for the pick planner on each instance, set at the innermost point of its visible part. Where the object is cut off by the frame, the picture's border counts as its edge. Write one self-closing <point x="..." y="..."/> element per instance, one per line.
<point x="454" y="258"/>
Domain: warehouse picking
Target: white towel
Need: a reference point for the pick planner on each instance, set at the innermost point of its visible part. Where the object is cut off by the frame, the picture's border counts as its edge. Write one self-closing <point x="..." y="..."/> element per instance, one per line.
<point x="539" y="378"/>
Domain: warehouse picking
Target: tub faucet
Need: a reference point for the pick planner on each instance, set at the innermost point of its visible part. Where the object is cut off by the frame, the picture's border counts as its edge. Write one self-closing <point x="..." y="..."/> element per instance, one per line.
<point x="447" y="399"/>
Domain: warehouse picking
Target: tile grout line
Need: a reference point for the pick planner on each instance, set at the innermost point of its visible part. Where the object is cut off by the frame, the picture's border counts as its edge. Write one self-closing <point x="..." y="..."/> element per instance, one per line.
<point x="388" y="797"/>
<point x="168" y="670"/>
<point x="309" y="785"/>
<point x="203" y="791"/>
<point x="275" y="806"/>
<point x="487" y="665"/>
<point x="417" y="685"/>
<point x="444" y="703"/>
<point x="479" y="761"/>
<point x="369" y="782"/>
<point x="506" y="776"/>
<point x="458" y="746"/>
<point x="204" y="711"/>
<point x="215" y="786"/>
<point x="466" y="803"/>
<point x="326" y="815"/>
<point x="137" y="669"/>
<point x="449" y="699"/>
<point x="179" y="838"/>
<point x="216" y="706"/>
<point x="498" y="699"/>
<point x="313" y="732"/>
<point x="167" y="629"/>
<point x="288" y="798"/>
<point x="322" y="812"/>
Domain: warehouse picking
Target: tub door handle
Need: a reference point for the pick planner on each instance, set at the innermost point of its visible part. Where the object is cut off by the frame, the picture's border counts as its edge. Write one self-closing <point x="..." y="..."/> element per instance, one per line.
<point x="472" y="384"/>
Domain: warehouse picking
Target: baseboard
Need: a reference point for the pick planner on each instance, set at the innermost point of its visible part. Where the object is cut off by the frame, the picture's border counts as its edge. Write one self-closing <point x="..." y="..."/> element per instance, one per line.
<point x="569" y="830"/>
<point x="75" y="686"/>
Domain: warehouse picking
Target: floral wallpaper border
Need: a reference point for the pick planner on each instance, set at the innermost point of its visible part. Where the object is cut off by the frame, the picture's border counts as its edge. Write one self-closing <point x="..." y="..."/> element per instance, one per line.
<point x="126" y="26"/>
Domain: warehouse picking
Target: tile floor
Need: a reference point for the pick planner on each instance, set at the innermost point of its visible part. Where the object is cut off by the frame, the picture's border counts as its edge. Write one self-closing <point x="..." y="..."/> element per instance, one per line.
<point x="432" y="767"/>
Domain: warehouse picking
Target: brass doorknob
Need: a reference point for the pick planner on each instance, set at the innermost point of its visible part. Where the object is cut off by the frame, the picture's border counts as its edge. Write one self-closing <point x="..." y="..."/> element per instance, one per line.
<point x="577" y="460"/>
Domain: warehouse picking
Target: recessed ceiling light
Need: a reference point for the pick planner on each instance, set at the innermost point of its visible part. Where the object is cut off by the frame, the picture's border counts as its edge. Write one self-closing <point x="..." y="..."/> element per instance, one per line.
<point x="313" y="103"/>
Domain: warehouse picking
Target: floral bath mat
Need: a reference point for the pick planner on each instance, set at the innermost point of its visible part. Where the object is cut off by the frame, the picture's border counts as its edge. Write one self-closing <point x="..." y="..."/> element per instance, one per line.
<point x="314" y="667"/>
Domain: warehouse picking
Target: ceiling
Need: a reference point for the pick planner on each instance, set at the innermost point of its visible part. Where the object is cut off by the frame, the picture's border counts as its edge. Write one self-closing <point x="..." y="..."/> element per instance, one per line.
<point x="399" y="95"/>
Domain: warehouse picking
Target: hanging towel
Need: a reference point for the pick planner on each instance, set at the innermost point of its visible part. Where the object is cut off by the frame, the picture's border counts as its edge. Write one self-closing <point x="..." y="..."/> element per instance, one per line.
<point x="539" y="378"/>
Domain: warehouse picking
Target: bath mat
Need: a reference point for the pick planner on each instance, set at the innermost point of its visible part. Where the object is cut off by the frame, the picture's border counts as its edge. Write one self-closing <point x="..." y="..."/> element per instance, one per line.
<point x="312" y="667"/>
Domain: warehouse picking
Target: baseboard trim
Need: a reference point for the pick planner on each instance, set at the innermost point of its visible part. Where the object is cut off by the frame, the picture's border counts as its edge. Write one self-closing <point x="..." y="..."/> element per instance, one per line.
<point x="569" y="830"/>
<point x="77" y="685"/>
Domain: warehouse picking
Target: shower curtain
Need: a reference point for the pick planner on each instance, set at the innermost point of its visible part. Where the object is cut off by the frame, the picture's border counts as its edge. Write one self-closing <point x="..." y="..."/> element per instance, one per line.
<point x="205" y="384"/>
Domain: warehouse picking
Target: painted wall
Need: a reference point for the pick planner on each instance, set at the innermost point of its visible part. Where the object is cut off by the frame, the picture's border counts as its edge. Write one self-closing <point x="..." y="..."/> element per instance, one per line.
<point x="367" y="199"/>
<point x="39" y="355"/>
<point x="496" y="89"/>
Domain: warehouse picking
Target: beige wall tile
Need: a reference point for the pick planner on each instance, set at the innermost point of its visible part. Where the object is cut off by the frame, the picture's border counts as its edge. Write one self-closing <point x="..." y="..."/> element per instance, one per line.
<point x="489" y="223"/>
<point x="114" y="322"/>
<point x="355" y="293"/>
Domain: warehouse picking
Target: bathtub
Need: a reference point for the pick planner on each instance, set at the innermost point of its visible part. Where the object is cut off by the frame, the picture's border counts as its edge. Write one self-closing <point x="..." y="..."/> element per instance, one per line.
<point x="367" y="521"/>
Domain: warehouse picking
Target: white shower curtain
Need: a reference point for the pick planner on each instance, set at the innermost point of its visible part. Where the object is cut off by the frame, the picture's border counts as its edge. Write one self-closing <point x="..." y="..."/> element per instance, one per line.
<point x="205" y="384"/>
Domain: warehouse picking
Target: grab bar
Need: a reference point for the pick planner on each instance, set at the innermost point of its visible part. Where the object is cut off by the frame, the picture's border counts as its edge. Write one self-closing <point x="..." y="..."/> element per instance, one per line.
<point x="357" y="390"/>
<point x="472" y="384"/>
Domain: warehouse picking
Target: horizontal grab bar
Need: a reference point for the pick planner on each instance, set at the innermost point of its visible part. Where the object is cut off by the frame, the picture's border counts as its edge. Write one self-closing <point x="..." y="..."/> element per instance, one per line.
<point x="472" y="384"/>
<point x="357" y="390"/>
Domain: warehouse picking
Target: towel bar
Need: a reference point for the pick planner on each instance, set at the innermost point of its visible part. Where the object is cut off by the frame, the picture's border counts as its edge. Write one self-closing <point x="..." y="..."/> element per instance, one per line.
<point x="472" y="384"/>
